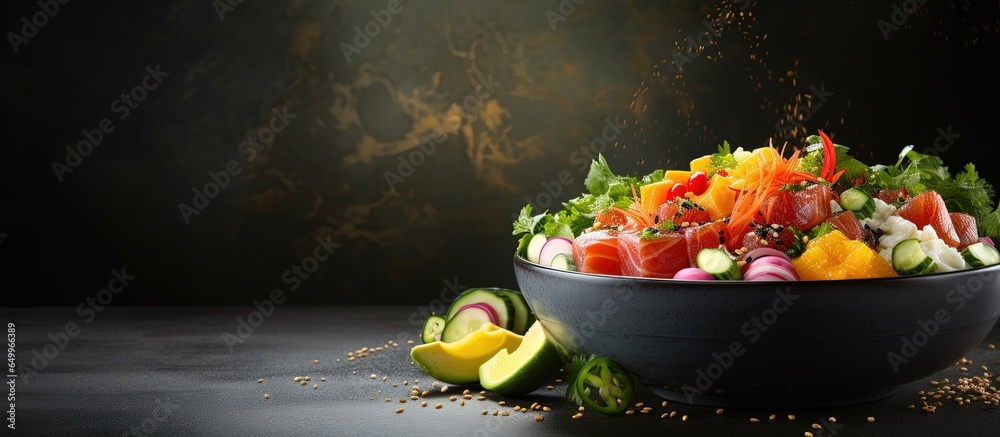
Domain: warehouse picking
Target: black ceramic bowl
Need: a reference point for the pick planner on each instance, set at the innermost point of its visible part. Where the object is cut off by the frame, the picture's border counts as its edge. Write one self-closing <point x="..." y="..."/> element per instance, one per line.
<point x="768" y="344"/>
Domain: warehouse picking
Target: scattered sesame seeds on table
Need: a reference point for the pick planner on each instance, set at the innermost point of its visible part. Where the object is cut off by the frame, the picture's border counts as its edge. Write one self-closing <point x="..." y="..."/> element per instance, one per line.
<point x="257" y="389"/>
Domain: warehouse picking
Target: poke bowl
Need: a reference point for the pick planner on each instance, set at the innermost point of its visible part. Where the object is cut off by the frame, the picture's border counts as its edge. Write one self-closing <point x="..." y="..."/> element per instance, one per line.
<point x="776" y="344"/>
<point x="755" y="279"/>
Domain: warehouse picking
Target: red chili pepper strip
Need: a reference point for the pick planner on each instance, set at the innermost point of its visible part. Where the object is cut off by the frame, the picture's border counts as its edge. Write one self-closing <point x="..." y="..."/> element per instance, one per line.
<point x="829" y="158"/>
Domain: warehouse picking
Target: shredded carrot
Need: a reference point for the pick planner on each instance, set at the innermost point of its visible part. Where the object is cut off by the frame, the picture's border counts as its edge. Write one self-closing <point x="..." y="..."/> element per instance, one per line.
<point x="772" y="177"/>
<point x="636" y="211"/>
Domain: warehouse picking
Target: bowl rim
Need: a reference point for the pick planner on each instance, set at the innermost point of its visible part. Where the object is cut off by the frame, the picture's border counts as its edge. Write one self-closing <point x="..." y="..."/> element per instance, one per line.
<point x="521" y="260"/>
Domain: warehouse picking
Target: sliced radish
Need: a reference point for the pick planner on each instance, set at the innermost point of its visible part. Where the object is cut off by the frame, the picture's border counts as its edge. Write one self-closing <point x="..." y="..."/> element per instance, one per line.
<point x="760" y="271"/>
<point x="762" y="252"/>
<point x="535" y="247"/>
<point x="987" y="240"/>
<point x="490" y="311"/>
<point x="554" y="246"/>
<point x="693" y="274"/>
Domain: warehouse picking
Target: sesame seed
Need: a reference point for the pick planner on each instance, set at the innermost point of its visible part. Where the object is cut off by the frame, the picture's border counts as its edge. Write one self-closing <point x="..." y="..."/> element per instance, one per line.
<point x="754" y="419"/>
<point x="402" y="400"/>
<point x="663" y="404"/>
<point x="465" y="392"/>
<point x="315" y="386"/>
<point x="546" y="409"/>
<point x="808" y="434"/>
<point x="453" y="399"/>
<point x="413" y="398"/>
<point x="315" y="361"/>
<point x="373" y="376"/>
<point x="684" y="418"/>
<point x="505" y="414"/>
<point x="673" y="413"/>
<point x="481" y="398"/>
<point x="467" y="397"/>
<point x="425" y="393"/>
<point x="303" y="383"/>
<point x="385" y="378"/>
<point x="267" y="396"/>
<point x="639" y="404"/>
<point x="305" y="379"/>
<point x="406" y="382"/>
<point x="437" y="407"/>
<point x="399" y="410"/>
<point x="395" y="385"/>
<point x="297" y="379"/>
<point x="577" y="416"/>
<point x="871" y="419"/>
<point x="580" y="409"/>
<point x="791" y="417"/>
<point x="423" y="404"/>
<point x="771" y="417"/>
<point x="629" y="412"/>
<point x="323" y="379"/>
<point x="388" y="399"/>
<point x="719" y="411"/>
<point x="664" y="415"/>
<point x="260" y="381"/>
<point x="549" y="387"/>
<point x="461" y="403"/>
<point x="502" y="403"/>
<point x="485" y="412"/>
<point x="832" y="419"/>
<point x="409" y="341"/>
<point x="444" y="389"/>
<point x="816" y="426"/>
<point x="539" y="418"/>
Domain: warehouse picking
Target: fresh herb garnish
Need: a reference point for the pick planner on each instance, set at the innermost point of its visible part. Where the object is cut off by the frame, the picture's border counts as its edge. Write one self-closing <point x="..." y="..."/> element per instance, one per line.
<point x="573" y="370"/>
<point x="721" y="160"/>
<point x="604" y="190"/>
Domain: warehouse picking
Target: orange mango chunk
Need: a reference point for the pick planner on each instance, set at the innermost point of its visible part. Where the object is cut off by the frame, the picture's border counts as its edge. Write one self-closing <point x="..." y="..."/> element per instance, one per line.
<point x="834" y="256"/>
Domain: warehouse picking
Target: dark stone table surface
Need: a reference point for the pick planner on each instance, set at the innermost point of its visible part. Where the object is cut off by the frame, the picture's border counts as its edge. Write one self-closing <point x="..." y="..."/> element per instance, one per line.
<point x="170" y="371"/>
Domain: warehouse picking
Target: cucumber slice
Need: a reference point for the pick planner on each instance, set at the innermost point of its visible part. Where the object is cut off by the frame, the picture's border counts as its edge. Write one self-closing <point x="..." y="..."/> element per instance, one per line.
<point x="432" y="329"/>
<point x="563" y="261"/>
<point x="855" y="199"/>
<point x="535" y="247"/>
<point x="523" y="317"/>
<point x="908" y="258"/>
<point x="468" y="319"/>
<point x="718" y="263"/>
<point x="981" y="254"/>
<point x="499" y="302"/>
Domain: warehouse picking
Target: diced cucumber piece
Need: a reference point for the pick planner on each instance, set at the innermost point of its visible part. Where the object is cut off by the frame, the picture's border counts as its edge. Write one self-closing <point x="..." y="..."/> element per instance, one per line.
<point x="855" y="199"/>
<point x="563" y="261"/>
<point x="432" y="329"/>
<point x="981" y="254"/>
<point x="718" y="263"/>
<point x="908" y="258"/>
<point x="523" y="317"/>
<point x="469" y="319"/>
<point x="499" y="302"/>
<point x="535" y="247"/>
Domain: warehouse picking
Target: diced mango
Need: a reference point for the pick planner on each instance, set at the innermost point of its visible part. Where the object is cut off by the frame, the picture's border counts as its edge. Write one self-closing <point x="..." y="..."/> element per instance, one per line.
<point x="654" y="194"/>
<point x="701" y="164"/>
<point x="681" y="176"/>
<point x="834" y="256"/>
<point x="718" y="200"/>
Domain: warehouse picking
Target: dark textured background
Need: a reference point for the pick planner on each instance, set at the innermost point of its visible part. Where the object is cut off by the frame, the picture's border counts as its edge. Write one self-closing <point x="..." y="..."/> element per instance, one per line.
<point x="324" y="174"/>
